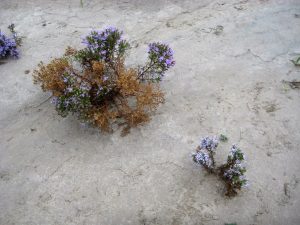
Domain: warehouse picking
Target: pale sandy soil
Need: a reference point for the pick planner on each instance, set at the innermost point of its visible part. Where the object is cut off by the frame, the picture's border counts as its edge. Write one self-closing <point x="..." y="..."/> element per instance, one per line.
<point x="55" y="171"/>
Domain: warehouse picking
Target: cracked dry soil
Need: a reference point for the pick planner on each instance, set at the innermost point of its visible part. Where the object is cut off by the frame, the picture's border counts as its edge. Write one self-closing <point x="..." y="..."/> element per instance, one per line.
<point x="231" y="58"/>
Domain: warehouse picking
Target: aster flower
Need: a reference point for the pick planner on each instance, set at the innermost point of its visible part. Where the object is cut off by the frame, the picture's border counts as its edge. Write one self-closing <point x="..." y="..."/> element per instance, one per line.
<point x="203" y="158"/>
<point x="209" y="143"/>
<point x="8" y="47"/>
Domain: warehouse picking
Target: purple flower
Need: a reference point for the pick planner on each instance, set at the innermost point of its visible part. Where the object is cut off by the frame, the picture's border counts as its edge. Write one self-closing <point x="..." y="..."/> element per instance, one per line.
<point x="233" y="150"/>
<point x="161" y="54"/>
<point x="104" y="43"/>
<point x="110" y="29"/>
<point x="105" y="78"/>
<point x="54" y="100"/>
<point x="65" y="80"/>
<point x="209" y="143"/>
<point x="169" y="63"/>
<point x="100" y="91"/>
<point x="203" y="158"/>
<point x="69" y="89"/>
<point x="235" y="168"/>
<point x="246" y="184"/>
<point x="85" y="86"/>
<point x="8" y="47"/>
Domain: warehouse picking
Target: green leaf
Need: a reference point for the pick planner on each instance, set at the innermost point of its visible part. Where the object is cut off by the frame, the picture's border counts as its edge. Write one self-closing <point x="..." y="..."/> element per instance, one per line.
<point x="223" y="138"/>
<point x="296" y="62"/>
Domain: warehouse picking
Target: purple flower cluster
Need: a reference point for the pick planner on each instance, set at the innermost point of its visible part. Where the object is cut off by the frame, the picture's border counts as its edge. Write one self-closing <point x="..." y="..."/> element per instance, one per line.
<point x="161" y="54"/>
<point x="75" y="97"/>
<point x="8" y="47"/>
<point x="236" y="175"/>
<point x="205" y="152"/>
<point x="105" y="42"/>
<point x="203" y="158"/>
<point x="54" y="100"/>
<point x="236" y="155"/>
<point x="72" y="89"/>
<point x="100" y="91"/>
<point x="235" y="168"/>
<point x="233" y="150"/>
<point x="71" y="81"/>
<point x="209" y="143"/>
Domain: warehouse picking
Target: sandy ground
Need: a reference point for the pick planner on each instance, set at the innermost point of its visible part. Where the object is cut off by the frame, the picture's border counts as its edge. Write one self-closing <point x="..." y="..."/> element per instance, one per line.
<point x="227" y="80"/>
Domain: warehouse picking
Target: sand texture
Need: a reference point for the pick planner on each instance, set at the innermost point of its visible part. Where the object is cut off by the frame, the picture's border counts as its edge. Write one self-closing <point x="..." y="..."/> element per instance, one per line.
<point x="232" y="57"/>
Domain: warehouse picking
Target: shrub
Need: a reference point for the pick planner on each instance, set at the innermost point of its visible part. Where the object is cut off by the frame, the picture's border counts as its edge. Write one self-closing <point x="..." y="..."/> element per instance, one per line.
<point x="8" y="46"/>
<point x="232" y="172"/>
<point x="94" y="83"/>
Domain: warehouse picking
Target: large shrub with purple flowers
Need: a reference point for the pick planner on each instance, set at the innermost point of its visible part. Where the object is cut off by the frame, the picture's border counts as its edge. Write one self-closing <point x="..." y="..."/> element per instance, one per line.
<point x="94" y="84"/>
<point x="232" y="172"/>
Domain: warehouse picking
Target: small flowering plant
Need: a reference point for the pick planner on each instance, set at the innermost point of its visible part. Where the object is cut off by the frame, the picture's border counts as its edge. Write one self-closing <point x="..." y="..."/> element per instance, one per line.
<point x="232" y="172"/>
<point x="205" y="153"/>
<point x="94" y="84"/>
<point x="8" y="45"/>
